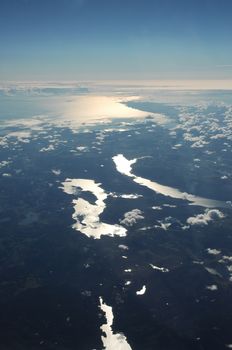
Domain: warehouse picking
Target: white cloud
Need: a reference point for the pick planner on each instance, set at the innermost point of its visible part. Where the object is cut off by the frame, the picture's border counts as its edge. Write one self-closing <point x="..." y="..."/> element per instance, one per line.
<point x="56" y="172"/>
<point x="213" y="271"/>
<point x="47" y="149"/>
<point x="81" y="148"/>
<point x="123" y="247"/>
<point x="130" y="196"/>
<point x="161" y="269"/>
<point x="164" y="225"/>
<point x="213" y="287"/>
<point x="4" y="163"/>
<point x="157" y="208"/>
<point x="167" y="222"/>
<point x="131" y="217"/>
<point x="6" y="175"/>
<point x="127" y="283"/>
<point x="204" y="219"/>
<point x="227" y="258"/>
<point x="213" y="251"/>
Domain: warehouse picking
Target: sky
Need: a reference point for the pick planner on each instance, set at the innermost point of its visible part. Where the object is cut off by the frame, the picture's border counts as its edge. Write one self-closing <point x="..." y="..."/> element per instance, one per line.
<point x="115" y="39"/>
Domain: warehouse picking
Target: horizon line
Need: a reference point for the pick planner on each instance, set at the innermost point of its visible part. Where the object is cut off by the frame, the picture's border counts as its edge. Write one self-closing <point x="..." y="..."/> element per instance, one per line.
<point x="181" y="84"/>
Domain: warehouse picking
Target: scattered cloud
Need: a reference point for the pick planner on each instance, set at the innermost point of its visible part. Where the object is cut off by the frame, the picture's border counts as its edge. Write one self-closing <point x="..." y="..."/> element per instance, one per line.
<point x="47" y="149"/>
<point x="131" y="217"/>
<point x="204" y="219"/>
<point x="82" y="148"/>
<point x="56" y="172"/>
<point x="157" y="208"/>
<point x="4" y="163"/>
<point x="167" y="222"/>
<point x="227" y="258"/>
<point x="213" y="287"/>
<point x="123" y="247"/>
<point x="6" y="175"/>
<point x="212" y="271"/>
<point x="213" y="251"/>
<point x="161" y="269"/>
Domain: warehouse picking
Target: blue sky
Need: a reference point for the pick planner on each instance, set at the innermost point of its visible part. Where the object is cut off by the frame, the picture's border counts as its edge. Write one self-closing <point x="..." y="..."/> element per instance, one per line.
<point x="115" y="39"/>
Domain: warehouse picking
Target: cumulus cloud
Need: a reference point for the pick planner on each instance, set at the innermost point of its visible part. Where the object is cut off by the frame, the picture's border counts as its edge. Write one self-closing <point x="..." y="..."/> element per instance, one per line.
<point x="157" y="208"/>
<point x="227" y="258"/>
<point x="131" y="217"/>
<point x="123" y="247"/>
<point x="162" y="269"/>
<point x="167" y="222"/>
<point x="47" y="149"/>
<point x="81" y="148"/>
<point x="213" y="287"/>
<point x="4" y="163"/>
<point x="213" y="251"/>
<point x="204" y="219"/>
<point x="212" y="271"/>
<point x="6" y="175"/>
<point x="56" y="172"/>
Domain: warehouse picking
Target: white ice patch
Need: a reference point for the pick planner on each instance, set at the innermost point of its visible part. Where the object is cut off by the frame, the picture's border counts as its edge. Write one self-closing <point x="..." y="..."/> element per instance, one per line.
<point x="124" y="166"/>
<point x="141" y="291"/>
<point x="87" y="215"/>
<point x="110" y="340"/>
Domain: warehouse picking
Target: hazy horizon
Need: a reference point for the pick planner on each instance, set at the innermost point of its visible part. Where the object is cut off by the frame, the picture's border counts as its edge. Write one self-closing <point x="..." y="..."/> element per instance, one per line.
<point x="179" y="84"/>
